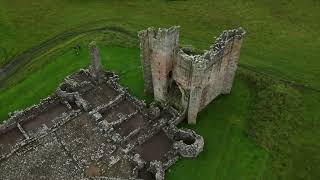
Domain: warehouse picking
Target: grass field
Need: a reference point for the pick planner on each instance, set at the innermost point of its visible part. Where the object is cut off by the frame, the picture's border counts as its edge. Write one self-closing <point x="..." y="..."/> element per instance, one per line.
<point x="282" y="35"/>
<point x="263" y="130"/>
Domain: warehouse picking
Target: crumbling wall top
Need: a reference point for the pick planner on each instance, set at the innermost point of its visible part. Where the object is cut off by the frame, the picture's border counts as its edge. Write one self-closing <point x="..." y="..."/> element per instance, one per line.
<point x="201" y="62"/>
<point x="160" y="31"/>
<point x="225" y="37"/>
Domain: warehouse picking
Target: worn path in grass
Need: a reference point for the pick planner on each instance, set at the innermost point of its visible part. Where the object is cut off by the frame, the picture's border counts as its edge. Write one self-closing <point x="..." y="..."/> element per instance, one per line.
<point x="282" y="35"/>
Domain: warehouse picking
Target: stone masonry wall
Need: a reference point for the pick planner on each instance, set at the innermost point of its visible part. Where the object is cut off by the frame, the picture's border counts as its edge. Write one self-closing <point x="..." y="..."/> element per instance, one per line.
<point x="92" y="128"/>
<point x="158" y="50"/>
<point x="200" y="78"/>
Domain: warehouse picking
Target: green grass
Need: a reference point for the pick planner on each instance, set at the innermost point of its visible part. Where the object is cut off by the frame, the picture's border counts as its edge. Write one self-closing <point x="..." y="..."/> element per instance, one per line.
<point x="228" y="153"/>
<point x="263" y="130"/>
<point x="44" y="81"/>
<point x="285" y="122"/>
<point x="282" y="35"/>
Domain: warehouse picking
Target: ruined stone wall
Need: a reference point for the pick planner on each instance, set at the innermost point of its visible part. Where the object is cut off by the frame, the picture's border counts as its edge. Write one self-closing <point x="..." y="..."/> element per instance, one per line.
<point x="198" y="78"/>
<point x="223" y="58"/>
<point x="158" y="49"/>
<point x="232" y="63"/>
<point x="92" y="128"/>
<point x="182" y="72"/>
<point x="182" y="76"/>
<point x="145" y="52"/>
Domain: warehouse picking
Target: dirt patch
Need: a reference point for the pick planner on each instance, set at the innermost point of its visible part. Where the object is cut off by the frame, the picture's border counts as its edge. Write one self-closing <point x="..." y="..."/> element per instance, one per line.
<point x="130" y="125"/>
<point x="45" y="117"/>
<point x="113" y="114"/>
<point x="155" y="148"/>
<point x="80" y="77"/>
<point x="92" y="171"/>
<point x="146" y="175"/>
<point x="9" y="139"/>
<point x="100" y="95"/>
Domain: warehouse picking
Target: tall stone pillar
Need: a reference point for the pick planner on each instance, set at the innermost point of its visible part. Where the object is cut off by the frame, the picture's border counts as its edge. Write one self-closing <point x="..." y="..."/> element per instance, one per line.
<point x="145" y="55"/>
<point x="158" y="50"/>
<point x="194" y="104"/>
<point x="95" y="68"/>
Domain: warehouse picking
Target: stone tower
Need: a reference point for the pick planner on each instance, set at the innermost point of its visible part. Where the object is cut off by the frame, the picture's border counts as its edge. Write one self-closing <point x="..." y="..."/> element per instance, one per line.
<point x="158" y="50"/>
<point x="188" y="82"/>
<point x="95" y="67"/>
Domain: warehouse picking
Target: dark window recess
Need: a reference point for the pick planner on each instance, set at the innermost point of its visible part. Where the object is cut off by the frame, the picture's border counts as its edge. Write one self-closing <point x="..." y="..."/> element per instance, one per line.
<point x="170" y="74"/>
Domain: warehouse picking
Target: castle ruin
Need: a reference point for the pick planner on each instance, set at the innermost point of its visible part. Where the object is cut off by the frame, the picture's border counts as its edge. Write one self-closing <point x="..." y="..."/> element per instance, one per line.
<point x="93" y="128"/>
<point x="189" y="82"/>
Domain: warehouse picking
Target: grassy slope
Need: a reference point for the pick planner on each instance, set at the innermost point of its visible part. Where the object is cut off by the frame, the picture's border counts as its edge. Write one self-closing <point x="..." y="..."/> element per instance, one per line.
<point x="285" y="122"/>
<point x="282" y="35"/>
<point x="44" y="81"/>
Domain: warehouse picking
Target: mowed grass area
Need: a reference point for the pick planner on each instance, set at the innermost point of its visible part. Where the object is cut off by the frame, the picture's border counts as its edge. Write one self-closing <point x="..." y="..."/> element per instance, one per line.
<point x="282" y="41"/>
<point x="282" y="34"/>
